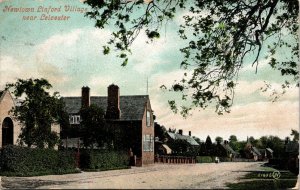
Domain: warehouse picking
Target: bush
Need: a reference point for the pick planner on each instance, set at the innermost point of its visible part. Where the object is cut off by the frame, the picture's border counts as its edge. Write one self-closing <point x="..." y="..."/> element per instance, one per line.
<point x="103" y="160"/>
<point x="204" y="159"/>
<point x="24" y="161"/>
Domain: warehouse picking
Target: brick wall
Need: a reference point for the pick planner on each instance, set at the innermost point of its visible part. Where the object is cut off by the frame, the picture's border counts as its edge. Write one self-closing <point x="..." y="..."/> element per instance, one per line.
<point x="147" y="157"/>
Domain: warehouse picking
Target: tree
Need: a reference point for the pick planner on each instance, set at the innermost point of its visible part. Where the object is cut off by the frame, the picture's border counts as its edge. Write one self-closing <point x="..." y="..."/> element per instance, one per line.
<point x="219" y="140"/>
<point x="93" y="128"/>
<point x="295" y="135"/>
<point x="221" y="37"/>
<point x="160" y="131"/>
<point x="232" y="139"/>
<point x="37" y="112"/>
<point x="233" y="142"/>
<point x="208" y="146"/>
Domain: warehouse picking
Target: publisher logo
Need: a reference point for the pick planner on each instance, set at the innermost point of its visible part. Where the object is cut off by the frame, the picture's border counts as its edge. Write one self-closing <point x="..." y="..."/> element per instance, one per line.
<point x="276" y="174"/>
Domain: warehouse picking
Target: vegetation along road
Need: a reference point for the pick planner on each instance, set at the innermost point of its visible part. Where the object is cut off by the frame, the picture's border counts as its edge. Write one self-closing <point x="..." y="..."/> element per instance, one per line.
<point x="204" y="176"/>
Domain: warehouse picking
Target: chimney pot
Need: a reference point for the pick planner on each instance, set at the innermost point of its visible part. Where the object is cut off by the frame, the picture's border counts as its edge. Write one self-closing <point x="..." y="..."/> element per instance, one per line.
<point x="85" y="96"/>
<point x="180" y="131"/>
<point x="190" y="133"/>
<point x="113" y="102"/>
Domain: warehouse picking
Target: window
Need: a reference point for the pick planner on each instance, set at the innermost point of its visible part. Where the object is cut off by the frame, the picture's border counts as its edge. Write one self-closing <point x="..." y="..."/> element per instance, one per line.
<point x="74" y="119"/>
<point x="148" y="143"/>
<point x="148" y="118"/>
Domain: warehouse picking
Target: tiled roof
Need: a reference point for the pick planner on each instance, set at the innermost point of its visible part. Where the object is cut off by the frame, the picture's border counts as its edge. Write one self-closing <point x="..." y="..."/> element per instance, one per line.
<point x="256" y="151"/>
<point x="228" y="148"/>
<point x="132" y="107"/>
<point x="270" y="150"/>
<point x="189" y="139"/>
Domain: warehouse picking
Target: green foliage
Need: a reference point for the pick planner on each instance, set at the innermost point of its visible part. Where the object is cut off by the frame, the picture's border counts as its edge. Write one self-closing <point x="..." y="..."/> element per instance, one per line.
<point x="266" y="184"/>
<point x="219" y="140"/>
<point x="37" y="112"/>
<point x="295" y="135"/>
<point x="103" y="160"/>
<point x="93" y="128"/>
<point x="263" y="179"/>
<point x="204" y="159"/>
<point x="222" y="36"/>
<point x="160" y="131"/>
<point x="24" y="161"/>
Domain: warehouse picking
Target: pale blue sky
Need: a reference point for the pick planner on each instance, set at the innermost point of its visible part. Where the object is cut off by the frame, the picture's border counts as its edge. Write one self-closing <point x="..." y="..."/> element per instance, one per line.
<point x="69" y="55"/>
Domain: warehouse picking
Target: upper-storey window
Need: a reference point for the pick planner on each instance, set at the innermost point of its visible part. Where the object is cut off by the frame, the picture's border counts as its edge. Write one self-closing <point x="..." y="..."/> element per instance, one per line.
<point x="148" y="118"/>
<point x="74" y="119"/>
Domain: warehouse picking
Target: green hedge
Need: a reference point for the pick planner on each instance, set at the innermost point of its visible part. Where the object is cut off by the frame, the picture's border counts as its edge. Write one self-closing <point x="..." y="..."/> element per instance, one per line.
<point x="91" y="160"/>
<point x="23" y="161"/>
<point x="204" y="159"/>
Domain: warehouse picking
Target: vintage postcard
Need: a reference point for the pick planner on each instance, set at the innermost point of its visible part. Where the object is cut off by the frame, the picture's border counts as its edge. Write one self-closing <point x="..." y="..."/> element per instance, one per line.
<point x="156" y="94"/>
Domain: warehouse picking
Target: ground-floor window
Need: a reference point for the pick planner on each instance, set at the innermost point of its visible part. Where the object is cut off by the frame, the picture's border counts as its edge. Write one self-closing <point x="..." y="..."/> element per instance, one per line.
<point x="148" y="143"/>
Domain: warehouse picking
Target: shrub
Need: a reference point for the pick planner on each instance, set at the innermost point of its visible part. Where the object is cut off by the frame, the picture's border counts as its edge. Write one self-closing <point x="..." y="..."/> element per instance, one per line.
<point x="204" y="159"/>
<point x="24" y="161"/>
<point x="103" y="160"/>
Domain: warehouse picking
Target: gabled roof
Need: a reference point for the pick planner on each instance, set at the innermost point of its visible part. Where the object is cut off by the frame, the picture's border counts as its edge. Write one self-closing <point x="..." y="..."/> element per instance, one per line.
<point x="270" y="150"/>
<point x="167" y="148"/>
<point x="256" y="151"/>
<point x="132" y="107"/>
<point x="189" y="139"/>
<point x="228" y="148"/>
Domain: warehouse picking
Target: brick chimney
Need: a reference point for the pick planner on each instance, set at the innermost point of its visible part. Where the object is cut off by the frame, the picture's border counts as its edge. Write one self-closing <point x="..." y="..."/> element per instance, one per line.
<point x="180" y="131"/>
<point x="190" y="133"/>
<point x="113" y="102"/>
<point x="85" y="96"/>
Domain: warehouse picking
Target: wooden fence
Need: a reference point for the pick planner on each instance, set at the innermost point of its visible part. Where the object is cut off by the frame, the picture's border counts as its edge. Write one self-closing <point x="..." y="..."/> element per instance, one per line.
<point x="175" y="159"/>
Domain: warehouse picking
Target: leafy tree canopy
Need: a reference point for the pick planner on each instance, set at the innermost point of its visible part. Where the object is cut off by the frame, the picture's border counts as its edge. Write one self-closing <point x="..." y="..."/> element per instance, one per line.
<point x="295" y="135"/>
<point x="219" y="140"/>
<point x="37" y="112"/>
<point x="233" y="138"/>
<point x="93" y="129"/>
<point x="221" y="37"/>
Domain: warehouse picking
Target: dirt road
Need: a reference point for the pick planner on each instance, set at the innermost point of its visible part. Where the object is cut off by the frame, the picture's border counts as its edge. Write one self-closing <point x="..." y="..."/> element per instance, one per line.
<point x="190" y="176"/>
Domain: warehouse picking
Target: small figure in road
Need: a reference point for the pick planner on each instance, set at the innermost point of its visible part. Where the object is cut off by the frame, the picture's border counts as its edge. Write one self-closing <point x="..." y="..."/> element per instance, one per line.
<point x="217" y="160"/>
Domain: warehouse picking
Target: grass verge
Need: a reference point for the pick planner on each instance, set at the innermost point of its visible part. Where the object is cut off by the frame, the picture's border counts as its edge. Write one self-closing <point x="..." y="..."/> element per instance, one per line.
<point x="266" y="178"/>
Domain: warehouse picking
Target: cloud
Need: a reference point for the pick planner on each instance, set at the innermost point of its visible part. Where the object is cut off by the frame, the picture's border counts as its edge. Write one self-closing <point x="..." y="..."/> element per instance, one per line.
<point x="262" y="64"/>
<point x="253" y="119"/>
<point x="57" y="41"/>
<point x="180" y="18"/>
<point x="11" y="69"/>
<point x="147" y="56"/>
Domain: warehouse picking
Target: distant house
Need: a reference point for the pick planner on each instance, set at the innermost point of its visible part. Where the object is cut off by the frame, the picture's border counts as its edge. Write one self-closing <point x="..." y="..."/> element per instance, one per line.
<point x="161" y="148"/>
<point x="266" y="153"/>
<point x="180" y="143"/>
<point x="252" y="152"/>
<point x="224" y="150"/>
<point x="132" y="113"/>
<point x="188" y="138"/>
<point x="11" y="128"/>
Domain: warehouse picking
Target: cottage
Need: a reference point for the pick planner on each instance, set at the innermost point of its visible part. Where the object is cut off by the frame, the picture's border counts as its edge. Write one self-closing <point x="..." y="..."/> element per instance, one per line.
<point x="188" y="138"/>
<point x="252" y="152"/>
<point x="133" y="113"/>
<point x="225" y="150"/>
<point x="11" y="128"/>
